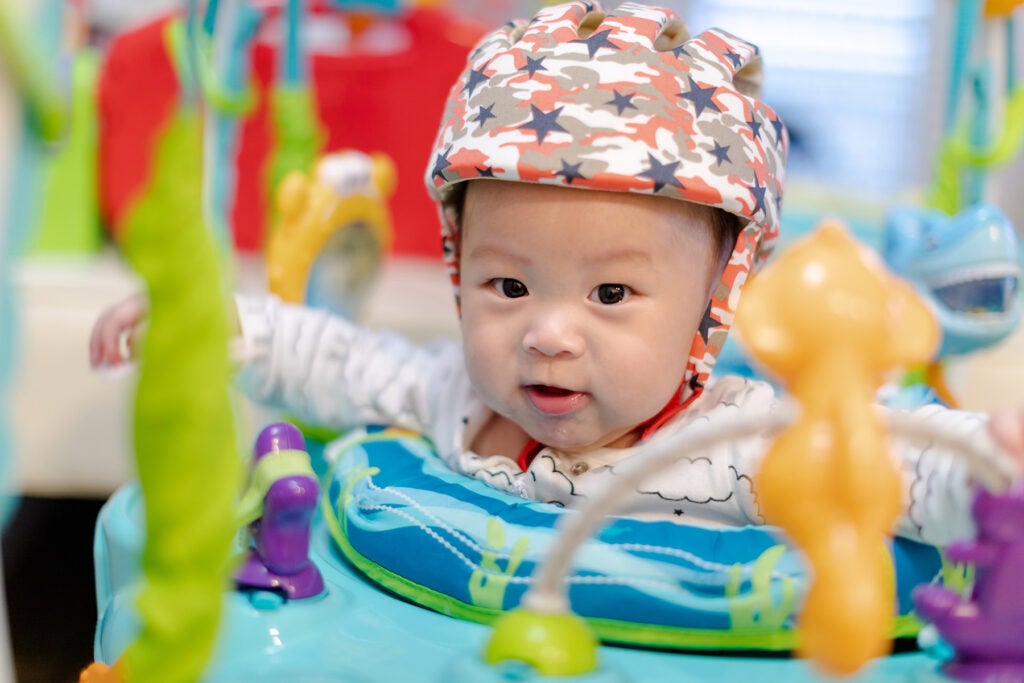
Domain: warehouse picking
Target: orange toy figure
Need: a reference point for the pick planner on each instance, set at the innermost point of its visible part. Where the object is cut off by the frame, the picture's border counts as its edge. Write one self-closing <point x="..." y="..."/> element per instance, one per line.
<point x="830" y="321"/>
<point x="98" y="672"/>
<point x="1001" y="8"/>
<point x="347" y="196"/>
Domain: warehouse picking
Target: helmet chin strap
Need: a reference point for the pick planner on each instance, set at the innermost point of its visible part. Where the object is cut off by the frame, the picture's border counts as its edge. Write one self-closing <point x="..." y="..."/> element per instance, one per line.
<point x="671" y="409"/>
<point x="676" y="403"/>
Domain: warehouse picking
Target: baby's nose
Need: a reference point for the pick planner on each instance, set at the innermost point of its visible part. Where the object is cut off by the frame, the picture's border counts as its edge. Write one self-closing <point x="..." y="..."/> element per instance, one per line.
<point x="554" y="332"/>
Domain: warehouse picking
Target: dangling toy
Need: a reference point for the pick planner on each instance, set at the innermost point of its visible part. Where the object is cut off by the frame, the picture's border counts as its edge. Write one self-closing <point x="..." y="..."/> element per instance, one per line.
<point x="184" y="445"/>
<point x="298" y="133"/>
<point x="217" y="52"/>
<point x="829" y="480"/>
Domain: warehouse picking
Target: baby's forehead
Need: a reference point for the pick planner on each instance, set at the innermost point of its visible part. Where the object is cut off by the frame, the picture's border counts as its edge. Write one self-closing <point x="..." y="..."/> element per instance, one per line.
<point x="501" y="219"/>
<point x="489" y="202"/>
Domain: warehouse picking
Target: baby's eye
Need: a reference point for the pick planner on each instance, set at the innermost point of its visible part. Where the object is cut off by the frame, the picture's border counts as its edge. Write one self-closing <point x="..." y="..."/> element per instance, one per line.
<point x="610" y="293"/>
<point x="509" y="287"/>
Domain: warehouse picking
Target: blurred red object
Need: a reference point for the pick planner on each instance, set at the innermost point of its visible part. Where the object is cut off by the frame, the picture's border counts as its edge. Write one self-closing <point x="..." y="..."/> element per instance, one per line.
<point x="387" y="102"/>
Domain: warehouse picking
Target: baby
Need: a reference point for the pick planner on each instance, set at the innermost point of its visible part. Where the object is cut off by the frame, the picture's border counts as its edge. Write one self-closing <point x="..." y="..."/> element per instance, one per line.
<point x="607" y="183"/>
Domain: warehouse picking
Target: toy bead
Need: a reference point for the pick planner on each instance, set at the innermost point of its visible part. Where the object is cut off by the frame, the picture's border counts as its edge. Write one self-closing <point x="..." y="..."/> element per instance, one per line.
<point x="829" y="321"/>
<point x="559" y="644"/>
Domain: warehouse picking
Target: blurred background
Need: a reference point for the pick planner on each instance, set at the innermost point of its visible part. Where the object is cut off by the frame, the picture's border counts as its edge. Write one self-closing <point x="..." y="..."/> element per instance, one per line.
<point x="872" y="92"/>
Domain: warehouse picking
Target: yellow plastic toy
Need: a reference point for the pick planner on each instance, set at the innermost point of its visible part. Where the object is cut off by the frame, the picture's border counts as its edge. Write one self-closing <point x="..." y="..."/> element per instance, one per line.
<point x="830" y="322"/>
<point x="345" y="203"/>
<point x="1001" y="8"/>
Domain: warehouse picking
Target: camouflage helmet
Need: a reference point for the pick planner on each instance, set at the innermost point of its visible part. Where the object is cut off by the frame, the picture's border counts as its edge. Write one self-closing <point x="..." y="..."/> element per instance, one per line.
<point x="627" y="101"/>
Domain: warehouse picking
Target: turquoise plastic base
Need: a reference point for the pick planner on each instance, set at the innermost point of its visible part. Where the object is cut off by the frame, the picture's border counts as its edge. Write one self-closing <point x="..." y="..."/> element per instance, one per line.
<point x="358" y="633"/>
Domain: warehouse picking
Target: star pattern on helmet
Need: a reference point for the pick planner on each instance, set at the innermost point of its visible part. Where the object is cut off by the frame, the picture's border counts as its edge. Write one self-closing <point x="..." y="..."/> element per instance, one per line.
<point x="680" y="51"/>
<point x="721" y="154"/>
<point x="622" y="101"/>
<point x="595" y="41"/>
<point x="570" y="172"/>
<point x="544" y="122"/>
<point x="708" y="323"/>
<point x="440" y="164"/>
<point x="734" y="58"/>
<point x="532" y="65"/>
<point x="485" y="172"/>
<point x="755" y="125"/>
<point x="779" y="127"/>
<point x="484" y="113"/>
<point x="661" y="174"/>
<point x="757" y="191"/>
<point x="476" y="77"/>
<point x="700" y="96"/>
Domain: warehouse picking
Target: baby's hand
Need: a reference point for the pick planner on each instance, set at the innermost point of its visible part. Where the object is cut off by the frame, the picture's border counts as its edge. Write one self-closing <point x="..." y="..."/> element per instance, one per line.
<point x="119" y="322"/>
<point x="1007" y="429"/>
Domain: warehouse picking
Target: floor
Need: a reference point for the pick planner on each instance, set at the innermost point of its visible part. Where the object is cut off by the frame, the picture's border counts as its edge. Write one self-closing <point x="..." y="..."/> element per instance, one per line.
<point x="48" y="576"/>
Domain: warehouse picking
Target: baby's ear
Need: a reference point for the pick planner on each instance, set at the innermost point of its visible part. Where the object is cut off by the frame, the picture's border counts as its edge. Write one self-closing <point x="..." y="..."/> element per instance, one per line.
<point x="916" y="332"/>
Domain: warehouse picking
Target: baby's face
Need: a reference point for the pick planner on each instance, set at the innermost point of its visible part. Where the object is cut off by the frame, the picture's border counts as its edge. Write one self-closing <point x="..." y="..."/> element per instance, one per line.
<point x="579" y="307"/>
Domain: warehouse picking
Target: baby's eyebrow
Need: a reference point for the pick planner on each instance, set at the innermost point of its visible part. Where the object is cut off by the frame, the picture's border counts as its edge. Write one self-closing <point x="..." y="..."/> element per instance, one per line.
<point x="490" y="251"/>
<point x="600" y="258"/>
<point x="640" y="256"/>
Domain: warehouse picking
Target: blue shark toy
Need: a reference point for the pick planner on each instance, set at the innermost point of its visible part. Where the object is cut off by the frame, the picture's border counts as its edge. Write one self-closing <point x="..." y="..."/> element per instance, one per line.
<point x="965" y="266"/>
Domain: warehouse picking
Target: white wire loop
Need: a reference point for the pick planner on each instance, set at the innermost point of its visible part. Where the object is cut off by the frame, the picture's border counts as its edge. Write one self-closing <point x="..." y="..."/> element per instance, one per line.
<point x="989" y="467"/>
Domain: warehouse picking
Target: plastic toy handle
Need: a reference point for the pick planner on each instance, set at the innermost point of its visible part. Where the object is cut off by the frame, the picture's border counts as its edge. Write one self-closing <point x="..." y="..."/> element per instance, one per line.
<point x="547" y="594"/>
<point x="544" y="632"/>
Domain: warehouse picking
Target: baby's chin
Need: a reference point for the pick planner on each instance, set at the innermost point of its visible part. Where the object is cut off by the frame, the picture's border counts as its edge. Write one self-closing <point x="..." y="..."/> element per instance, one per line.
<point x="579" y="444"/>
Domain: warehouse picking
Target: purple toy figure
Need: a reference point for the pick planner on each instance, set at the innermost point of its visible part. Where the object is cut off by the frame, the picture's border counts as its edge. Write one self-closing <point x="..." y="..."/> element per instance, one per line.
<point x="986" y="630"/>
<point x="279" y="507"/>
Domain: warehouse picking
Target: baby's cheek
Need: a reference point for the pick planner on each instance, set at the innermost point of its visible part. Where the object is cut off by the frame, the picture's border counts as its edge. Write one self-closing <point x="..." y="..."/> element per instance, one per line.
<point x="648" y="381"/>
<point x="481" y="358"/>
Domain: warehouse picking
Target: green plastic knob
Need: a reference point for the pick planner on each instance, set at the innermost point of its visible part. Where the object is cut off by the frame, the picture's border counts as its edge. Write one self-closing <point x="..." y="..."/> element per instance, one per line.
<point x="553" y="644"/>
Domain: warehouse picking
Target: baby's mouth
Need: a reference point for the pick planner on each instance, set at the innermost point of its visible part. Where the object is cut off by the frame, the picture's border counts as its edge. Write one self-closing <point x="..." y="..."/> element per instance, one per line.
<point x="553" y="400"/>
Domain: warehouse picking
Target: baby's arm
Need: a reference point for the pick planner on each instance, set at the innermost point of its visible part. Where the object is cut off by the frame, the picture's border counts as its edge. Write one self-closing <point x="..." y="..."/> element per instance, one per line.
<point x="936" y="492"/>
<point x="938" y="488"/>
<point x="114" y="337"/>
<point x="336" y="374"/>
<point x="321" y="368"/>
